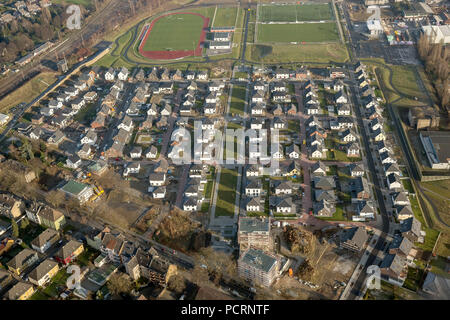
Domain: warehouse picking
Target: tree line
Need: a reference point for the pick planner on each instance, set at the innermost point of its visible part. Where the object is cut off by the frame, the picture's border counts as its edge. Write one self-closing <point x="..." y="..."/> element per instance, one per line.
<point x="436" y="59"/>
<point x="22" y="35"/>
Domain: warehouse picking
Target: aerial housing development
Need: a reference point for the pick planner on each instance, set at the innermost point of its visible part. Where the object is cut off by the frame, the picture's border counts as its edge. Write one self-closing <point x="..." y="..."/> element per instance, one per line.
<point x="225" y="151"/>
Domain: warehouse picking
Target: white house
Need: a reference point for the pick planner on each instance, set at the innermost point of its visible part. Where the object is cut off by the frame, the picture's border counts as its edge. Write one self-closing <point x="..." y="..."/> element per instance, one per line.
<point x="73" y="162"/>
<point x="136" y="153"/>
<point x="110" y="75"/>
<point x="90" y="138"/>
<point x="348" y="136"/>
<point x="253" y="189"/>
<point x="159" y="193"/>
<point x="190" y="205"/>
<point x="123" y="74"/>
<point x="126" y="124"/>
<point x="152" y="153"/>
<point x="254" y="205"/>
<point x="133" y="168"/>
<point x="293" y="151"/>
<point x="157" y="179"/>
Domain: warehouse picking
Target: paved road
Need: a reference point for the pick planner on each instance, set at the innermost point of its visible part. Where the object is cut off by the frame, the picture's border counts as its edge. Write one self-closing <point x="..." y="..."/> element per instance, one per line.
<point x="305" y="163"/>
<point x="359" y="284"/>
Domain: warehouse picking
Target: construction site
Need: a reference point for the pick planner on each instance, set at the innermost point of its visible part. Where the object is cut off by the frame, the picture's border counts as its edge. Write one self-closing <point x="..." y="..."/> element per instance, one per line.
<point x="322" y="269"/>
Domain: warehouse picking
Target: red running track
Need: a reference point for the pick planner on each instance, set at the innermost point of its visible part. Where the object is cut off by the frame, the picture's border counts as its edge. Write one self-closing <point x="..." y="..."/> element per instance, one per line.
<point x="178" y="54"/>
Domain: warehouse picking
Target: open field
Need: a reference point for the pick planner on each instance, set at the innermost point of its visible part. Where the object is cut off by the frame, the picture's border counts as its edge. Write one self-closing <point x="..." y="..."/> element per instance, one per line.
<point x="227" y="193"/>
<point x="238" y="100"/>
<point x="175" y="32"/>
<point x="404" y="81"/>
<point x="291" y="13"/>
<point x="28" y="91"/>
<point x="308" y="32"/>
<point x="225" y="17"/>
<point x="310" y="53"/>
<point x="85" y="3"/>
<point x="442" y="204"/>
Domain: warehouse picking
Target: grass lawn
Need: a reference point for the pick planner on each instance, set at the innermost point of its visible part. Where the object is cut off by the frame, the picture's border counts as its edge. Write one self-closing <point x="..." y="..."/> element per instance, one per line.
<point x="405" y="80"/>
<point x="88" y="255"/>
<point x="205" y="207"/>
<point x="431" y="234"/>
<point x="26" y="93"/>
<point x="86" y="114"/>
<point x="288" y="13"/>
<point x="225" y="17"/>
<point x="30" y="232"/>
<point x="227" y="193"/>
<point x="320" y="53"/>
<point x="413" y="279"/>
<point x="237" y="105"/>
<point x="57" y="285"/>
<point x="408" y="186"/>
<point x="390" y="292"/>
<point x="39" y="295"/>
<point x="308" y="32"/>
<point x="337" y="216"/>
<point x="439" y="194"/>
<point x="239" y="75"/>
<point x="438" y="266"/>
<point x="85" y="3"/>
<point x="175" y="32"/>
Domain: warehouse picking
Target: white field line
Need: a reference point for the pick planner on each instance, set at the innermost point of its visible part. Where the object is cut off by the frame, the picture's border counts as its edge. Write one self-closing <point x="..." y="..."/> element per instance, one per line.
<point x="214" y="18"/>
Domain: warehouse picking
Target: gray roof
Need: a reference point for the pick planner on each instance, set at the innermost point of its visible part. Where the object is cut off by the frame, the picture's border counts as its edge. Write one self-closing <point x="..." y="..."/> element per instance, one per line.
<point x="402" y="244"/>
<point x="253" y="224"/>
<point x="327" y="182"/>
<point x="357" y="236"/>
<point x="42" y="269"/>
<point x="21" y="258"/>
<point x="411" y="225"/>
<point x="259" y="260"/>
<point x="19" y="289"/>
<point x="254" y="184"/>
<point x="68" y="249"/>
<point x="49" y="235"/>
<point x="395" y="262"/>
<point x="328" y="195"/>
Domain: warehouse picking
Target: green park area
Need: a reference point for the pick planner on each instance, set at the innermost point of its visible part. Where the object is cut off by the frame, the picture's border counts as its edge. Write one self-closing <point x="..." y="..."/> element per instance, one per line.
<point x="227" y="193"/>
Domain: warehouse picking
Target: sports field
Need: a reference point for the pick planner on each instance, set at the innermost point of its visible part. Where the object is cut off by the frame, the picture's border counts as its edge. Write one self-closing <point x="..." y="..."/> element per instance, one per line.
<point x="305" y="32"/>
<point x="292" y="13"/>
<point x="225" y="17"/>
<point x="175" y="32"/>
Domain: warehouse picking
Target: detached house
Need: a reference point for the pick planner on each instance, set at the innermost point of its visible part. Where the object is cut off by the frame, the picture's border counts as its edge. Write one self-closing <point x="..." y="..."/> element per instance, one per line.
<point x="44" y="272"/>
<point x="45" y="240"/>
<point x="157" y="179"/>
<point x="253" y="188"/>
<point x="69" y="252"/>
<point x="190" y="205"/>
<point x="22" y="261"/>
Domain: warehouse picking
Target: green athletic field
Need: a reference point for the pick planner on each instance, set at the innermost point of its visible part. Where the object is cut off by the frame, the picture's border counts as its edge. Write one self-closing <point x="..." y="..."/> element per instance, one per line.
<point x="307" y="32"/>
<point x="175" y="32"/>
<point x="225" y="17"/>
<point x="292" y="13"/>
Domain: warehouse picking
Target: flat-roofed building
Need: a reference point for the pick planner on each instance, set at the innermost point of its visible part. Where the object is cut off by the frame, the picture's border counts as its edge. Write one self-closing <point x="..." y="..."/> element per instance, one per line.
<point x="254" y="233"/>
<point x="437" y="148"/>
<point x="258" y="267"/>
